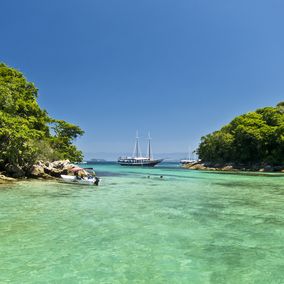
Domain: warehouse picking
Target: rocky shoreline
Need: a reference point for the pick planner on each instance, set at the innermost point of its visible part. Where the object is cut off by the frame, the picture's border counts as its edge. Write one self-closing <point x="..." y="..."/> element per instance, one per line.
<point x="4" y="179"/>
<point x="233" y="167"/>
<point x="47" y="170"/>
<point x="41" y="170"/>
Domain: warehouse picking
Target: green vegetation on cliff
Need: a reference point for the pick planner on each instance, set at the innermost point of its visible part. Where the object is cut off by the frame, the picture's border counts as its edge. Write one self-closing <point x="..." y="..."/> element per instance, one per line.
<point x="252" y="138"/>
<point x="27" y="133"/>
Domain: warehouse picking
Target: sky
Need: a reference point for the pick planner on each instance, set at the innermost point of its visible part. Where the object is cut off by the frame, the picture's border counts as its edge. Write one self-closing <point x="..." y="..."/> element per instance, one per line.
<point x="177" y="68"/>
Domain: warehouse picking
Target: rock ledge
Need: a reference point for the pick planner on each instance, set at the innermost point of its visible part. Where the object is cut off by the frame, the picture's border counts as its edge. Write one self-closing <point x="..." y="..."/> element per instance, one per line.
<point x="232" y="167"/>
<point x="47" y="170"/>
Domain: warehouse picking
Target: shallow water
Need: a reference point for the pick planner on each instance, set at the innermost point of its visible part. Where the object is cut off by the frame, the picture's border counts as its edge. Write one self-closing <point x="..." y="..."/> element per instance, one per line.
<point x="188" y="227"/>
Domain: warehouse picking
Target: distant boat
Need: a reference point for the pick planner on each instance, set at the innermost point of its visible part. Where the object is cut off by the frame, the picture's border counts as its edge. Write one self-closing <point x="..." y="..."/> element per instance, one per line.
<point x="93" y="161"/>
<point x="137" y="159"/>
<point x="187" y="161"/>
<point x="190" y="159"/>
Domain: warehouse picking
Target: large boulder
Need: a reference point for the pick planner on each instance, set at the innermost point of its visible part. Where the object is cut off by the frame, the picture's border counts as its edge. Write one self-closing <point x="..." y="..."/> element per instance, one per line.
<point x="38" y="171"/>
<point x="197" y="167"/>
<point x="58" y="172"/>
<point x="60" y="164"/>
<point x="51" y="169"/>
<point x="228" y="168"/>
<point x="47" y="170"/>
<point x="57" y="168"/>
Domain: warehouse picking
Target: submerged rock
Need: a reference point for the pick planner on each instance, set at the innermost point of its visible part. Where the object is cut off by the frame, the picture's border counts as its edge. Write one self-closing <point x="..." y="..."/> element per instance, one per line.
<point x="38" y="172"/>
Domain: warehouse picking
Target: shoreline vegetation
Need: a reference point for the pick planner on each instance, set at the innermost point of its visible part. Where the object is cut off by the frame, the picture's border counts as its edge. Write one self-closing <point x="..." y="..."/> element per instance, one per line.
<point x="35" y="145"/>
<point x="250" y="142"/>
<point x="27" y="133"/>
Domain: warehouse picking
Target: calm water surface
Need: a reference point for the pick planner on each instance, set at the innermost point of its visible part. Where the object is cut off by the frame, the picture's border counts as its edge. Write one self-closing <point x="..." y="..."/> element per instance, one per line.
<point x="189" y="227"/>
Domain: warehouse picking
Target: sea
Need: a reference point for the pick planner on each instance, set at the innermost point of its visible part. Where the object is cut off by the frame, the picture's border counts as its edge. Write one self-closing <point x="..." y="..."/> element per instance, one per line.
<point x="144" y="225"/>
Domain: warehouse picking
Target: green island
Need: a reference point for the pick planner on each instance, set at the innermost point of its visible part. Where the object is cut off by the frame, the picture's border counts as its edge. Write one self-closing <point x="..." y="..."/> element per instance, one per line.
<point x="252" y="141"/>
<point x="27" y="133"/>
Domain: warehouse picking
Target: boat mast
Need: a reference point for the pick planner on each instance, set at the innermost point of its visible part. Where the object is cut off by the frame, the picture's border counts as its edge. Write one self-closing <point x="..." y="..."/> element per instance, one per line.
<point x="149" y="147"/>
<point x="137" y="152"/>
<point x="189" y="153"/>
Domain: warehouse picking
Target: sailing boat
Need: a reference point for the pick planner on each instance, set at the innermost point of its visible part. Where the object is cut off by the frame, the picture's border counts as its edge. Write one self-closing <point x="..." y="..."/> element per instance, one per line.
<point x="137" y="159"/>
<point x="190" y="159"/>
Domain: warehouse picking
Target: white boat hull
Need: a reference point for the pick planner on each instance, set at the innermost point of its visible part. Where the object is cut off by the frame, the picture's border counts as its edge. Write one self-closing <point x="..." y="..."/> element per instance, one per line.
<point x="137" y="160"/>
<point x="139" y="163"/>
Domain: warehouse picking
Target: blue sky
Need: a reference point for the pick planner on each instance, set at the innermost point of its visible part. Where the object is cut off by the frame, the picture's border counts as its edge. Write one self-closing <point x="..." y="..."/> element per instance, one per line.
<point x="178" y="68"/>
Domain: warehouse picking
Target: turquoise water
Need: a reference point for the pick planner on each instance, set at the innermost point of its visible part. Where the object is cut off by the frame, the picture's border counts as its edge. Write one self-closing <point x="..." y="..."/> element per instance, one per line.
<point x="189" y="227"/>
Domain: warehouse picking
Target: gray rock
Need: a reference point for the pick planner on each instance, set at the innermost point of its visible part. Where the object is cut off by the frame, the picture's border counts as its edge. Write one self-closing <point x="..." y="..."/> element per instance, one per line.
<point x="58" y="172"/>
<point x="37" y="171"/>
<point x="197" y="167"/>
<point x="48" y="170"/>
<point x="228" y="168"/>
<point x="60" y="164"/>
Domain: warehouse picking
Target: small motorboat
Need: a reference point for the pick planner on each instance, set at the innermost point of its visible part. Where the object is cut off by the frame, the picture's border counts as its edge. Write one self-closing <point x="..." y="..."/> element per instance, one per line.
<point x="79" y="180"/>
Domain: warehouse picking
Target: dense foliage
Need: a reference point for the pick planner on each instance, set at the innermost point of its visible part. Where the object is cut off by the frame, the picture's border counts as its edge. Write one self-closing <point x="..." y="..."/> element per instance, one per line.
<point x="27" y="133"/>
<point x="252" y="138"/>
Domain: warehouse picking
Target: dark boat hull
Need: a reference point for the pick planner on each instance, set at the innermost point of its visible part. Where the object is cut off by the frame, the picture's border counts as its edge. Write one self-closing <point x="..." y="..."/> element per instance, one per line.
<point x="151" y="163"/>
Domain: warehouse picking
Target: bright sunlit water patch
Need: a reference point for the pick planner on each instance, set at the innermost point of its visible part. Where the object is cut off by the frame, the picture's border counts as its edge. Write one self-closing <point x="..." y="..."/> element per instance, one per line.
<point x="187" y="227"/>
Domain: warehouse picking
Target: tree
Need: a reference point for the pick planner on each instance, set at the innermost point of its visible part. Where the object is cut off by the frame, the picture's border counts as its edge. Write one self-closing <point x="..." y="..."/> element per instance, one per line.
<point x="252" y="138"/>
<point x="26" y="130"/>
<point x="65" y="134"/>
<point x="280" y="106"/>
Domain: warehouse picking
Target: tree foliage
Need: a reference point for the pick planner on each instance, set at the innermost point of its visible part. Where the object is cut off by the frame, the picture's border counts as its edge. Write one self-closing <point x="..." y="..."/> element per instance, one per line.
<point x="27" y="133"/>
<point x="65" y="133"/>
<point x="252" y="138"/>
